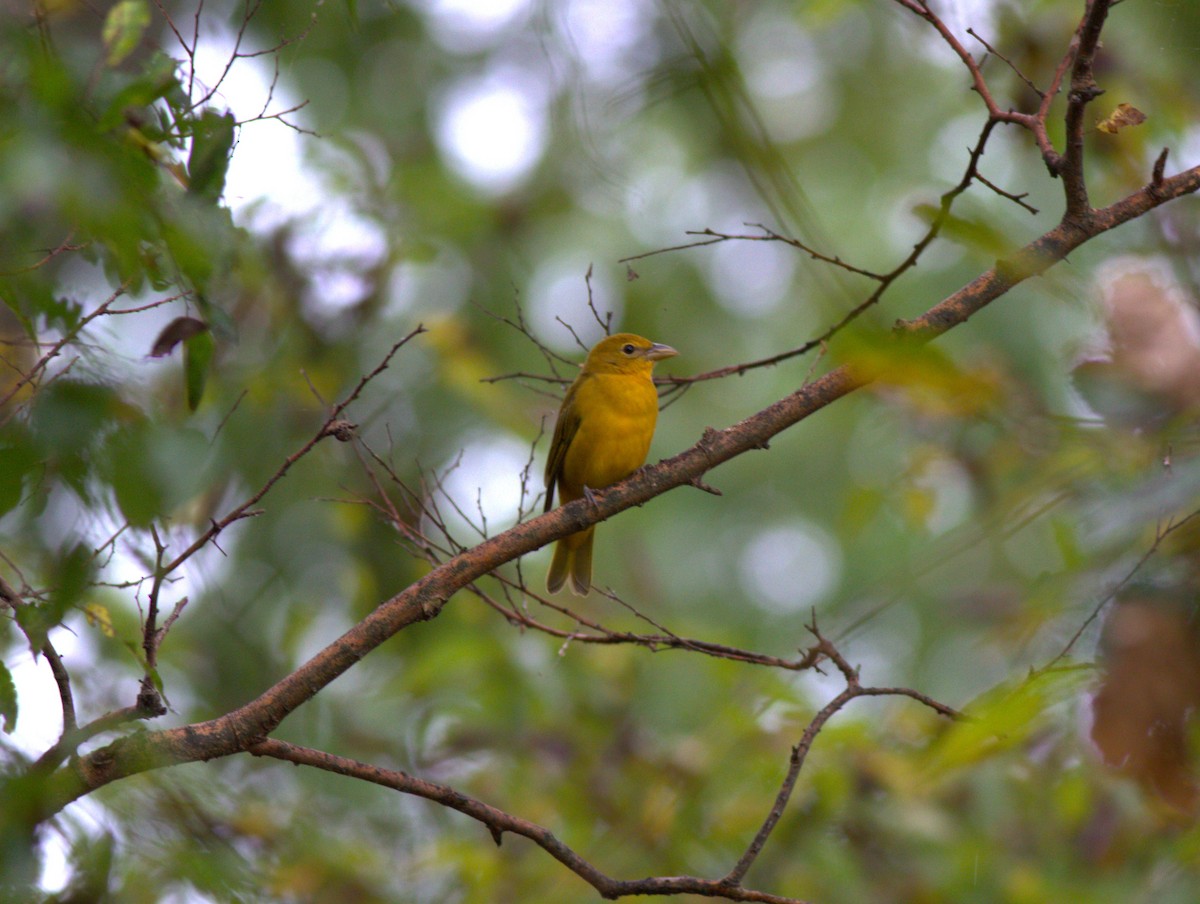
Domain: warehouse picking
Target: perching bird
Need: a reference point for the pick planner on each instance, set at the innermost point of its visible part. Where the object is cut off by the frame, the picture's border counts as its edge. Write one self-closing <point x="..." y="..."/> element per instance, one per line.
<point x="602" y="436"/>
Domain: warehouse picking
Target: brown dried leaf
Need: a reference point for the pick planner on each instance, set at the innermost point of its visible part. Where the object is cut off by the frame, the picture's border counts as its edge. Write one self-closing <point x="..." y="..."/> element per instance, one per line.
<point x="1150" y="372"/>
<point x="1124" y="115"/>
<point x="1147" y="704"/>
<point x="178" y="330"/>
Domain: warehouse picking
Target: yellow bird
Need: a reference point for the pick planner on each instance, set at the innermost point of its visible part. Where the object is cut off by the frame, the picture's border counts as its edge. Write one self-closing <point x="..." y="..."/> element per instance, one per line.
<point x="602" y="436"/>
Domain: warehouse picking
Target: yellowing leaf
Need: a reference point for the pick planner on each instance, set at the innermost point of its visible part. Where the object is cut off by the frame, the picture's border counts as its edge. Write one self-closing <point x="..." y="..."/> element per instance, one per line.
<point x="1001" y="719"/>
<point x="930" y="381"/>
<point x="862" y="504"/>
<point x="1144" y="715"/>
<point x="123" y="28"/>
<point x="973" y="233"/>
<point x="99" y="617"/>
<point x="466" y="367"/>
<point x="918" y="505"/>
<point x="1124" y="115"/>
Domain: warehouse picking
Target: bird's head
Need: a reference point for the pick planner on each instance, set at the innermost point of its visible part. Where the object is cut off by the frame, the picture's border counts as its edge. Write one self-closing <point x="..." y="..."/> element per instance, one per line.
<point x="626" y="353"/>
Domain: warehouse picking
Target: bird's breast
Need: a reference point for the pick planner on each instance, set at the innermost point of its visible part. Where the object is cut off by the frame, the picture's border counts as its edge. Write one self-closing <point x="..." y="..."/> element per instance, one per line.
<point x="617" y="418"/>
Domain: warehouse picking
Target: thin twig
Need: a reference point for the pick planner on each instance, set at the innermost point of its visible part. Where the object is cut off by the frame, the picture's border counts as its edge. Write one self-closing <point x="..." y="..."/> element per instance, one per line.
<point x="1011" y="65"/>
<point x="1160" y="535"/>
<point x="56" y="349"/>
<point x="244" y="510"/>
<point x="498" y="822"/>
<point x="605" y="321"/>
<point x="62" y="248"/>
<point x="853" y="689"/>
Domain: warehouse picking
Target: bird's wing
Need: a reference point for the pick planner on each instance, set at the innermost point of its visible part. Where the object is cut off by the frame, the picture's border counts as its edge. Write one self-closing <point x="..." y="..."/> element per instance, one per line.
<point x="565" y="429"/>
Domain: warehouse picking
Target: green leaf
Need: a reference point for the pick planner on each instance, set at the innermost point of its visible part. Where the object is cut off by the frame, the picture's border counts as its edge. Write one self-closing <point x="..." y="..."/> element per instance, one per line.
<point x="152" y="468"/>
<point x="68" y="414"/>
<point x="197" y="358"/>
<point x="64" y="313"/>
<point x="212" y="141"/>
<point x="73" y="571"/>
<point x="8" y="700"/>
<point x="973" y="233"/>
<point x="21" y="310"/>
<point x="1003" y="718"/>
<point x="159" y="78"/>
<point x="91" y="869"/>
<point x="139" y="493"/>
<point x="123" y="28"/>
<point x="136" y="651"/>
<point x="17" y="458"/>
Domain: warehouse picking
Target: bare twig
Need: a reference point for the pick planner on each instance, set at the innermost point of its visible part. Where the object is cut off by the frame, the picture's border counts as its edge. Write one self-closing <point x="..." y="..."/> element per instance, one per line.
<point x="574" y="335"/>
<point x="1015" y="198"/>
<point x="590" y="631"/>
<point x="70" y="741"/>
<point x="1083" y="91"/>
<point x="244" y="510"/>
<point x="822" y="648"/>
<point x="203" y="96"/>
<point x="498" y="822"/>
<point x="553" y="358"/>
<point x="1078" y="61"/>
<point x="150" y="636"/>
<point x="1159" y="537"/>
<point x="1160" y="164"/>
<point x="884" y="280"/>
<point x="63" y="247"/>
<point x="56" y="349"/>
<point x="1016" y="71"/>
<point x="605" y="322"/>
<point x="770" y="235"/>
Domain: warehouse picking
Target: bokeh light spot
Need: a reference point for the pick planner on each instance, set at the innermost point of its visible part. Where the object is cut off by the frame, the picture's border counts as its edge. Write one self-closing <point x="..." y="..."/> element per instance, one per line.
<point x="791" y="567"/>
<point x="492" y="132"/>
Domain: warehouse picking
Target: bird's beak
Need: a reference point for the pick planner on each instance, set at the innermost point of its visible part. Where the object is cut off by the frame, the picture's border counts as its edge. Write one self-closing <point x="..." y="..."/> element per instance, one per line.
<point x="657" y="352"/>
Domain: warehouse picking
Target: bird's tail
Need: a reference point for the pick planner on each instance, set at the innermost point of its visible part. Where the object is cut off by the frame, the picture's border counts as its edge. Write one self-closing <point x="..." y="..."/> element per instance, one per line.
<point x="573" y="558"/>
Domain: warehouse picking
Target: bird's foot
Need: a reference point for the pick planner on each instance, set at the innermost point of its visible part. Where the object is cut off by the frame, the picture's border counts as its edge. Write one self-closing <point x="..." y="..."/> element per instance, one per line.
<point x="590" y="496"/>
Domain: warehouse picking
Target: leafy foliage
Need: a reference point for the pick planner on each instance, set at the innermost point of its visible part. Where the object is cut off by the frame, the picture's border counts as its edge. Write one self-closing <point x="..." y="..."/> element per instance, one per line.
<point x="1001" y="524"/>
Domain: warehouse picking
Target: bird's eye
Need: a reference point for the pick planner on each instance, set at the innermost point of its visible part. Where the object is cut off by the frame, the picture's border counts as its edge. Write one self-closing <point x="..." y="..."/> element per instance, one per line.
<point x="628" y="349"/>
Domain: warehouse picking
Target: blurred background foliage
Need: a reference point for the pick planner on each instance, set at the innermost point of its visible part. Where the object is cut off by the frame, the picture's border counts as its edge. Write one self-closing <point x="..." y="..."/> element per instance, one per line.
<point x="451" y="163"/>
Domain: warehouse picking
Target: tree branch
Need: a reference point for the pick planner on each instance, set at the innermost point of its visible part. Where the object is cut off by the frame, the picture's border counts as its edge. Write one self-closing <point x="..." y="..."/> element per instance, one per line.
<point x="328" y="428"/>
<point x="1159" y="537"/>
<point x="63" y="679"/>
<point x="1083" y="91"/>
<point x="423" y="600"/>
<point x="498" y="822"/>
<point x="596" y="633"/>
<point x="822" y="648"/>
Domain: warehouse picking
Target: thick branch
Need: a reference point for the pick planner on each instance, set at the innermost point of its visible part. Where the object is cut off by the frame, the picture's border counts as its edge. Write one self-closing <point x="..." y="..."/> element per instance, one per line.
<point x="250" y="724"/>
<point x="63" y="679"/>
<point x="1083" y="91"/>
<point x="1078" y="60"/>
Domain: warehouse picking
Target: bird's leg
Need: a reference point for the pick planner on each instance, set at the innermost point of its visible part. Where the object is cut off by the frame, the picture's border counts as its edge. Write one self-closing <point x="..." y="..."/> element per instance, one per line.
<point x="590" y="496"/>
